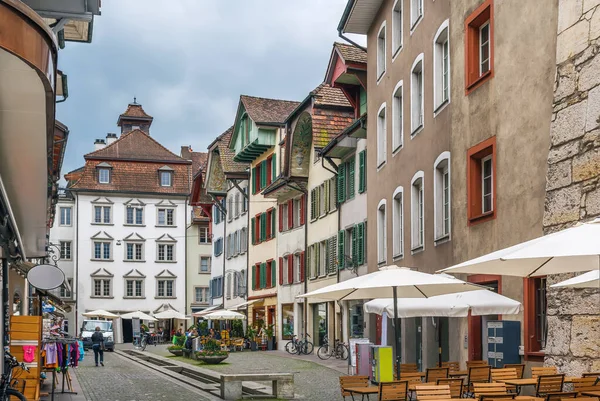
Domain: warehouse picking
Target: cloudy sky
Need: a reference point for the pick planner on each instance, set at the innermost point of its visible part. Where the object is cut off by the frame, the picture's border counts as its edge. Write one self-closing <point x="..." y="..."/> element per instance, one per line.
<point x="187" y="62"/>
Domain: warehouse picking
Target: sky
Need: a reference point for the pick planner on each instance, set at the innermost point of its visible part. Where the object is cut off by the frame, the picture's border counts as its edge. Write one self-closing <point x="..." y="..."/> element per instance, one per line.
<point x="188" y="61"/>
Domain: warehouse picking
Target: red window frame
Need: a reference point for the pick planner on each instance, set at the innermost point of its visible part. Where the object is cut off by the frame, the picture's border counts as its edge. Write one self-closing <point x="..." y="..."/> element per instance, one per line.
<point x="533" y="349"/>
<point x="474" y="185"/>
<point x="474" y="322"/>
<point x="481" y="15"/>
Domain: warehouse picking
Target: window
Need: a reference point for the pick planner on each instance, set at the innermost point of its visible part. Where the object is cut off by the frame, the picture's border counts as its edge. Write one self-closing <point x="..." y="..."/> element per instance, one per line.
<point x="351" y="246"/>
<point x="166" y="217"/>
<point x="264" y="173"/>
<point x="134" y="215"/>
<point x="166" y="253"/>
<point x="104" y="175"/>
<point x="230" y="208"/>
<point x="416" y="95"/>
<point x="362" y="171"/>
<point x="237" y="205"/>
<point x="166" y="288"/>
<point x="205" y="264"/>
<point x="284" y="267"/>
<point x="64" y="292"/>
<point x="102" y="287"/>
<point x="381" y="136"/>
<point x="417" y="212"/>
<point x="134" y="251"/>
<point x="416" y="12"/>
<point x="65" y="216"/>
<point x="441" y="194"/>
<point x="397" y="117"/>
<point x="322" y="258"/>
<point x="166" y="178"/>
<point x="102" y="250"/>
<point x="441" y="68"/>
<point x="314" y="203"/>
<point x="297" y="268"/>
<point x="216" y="287"/>
<point x="346" y="180"/>
<point x="381" y="233"/>
<point x="218" y="247"/>
<point x="245" y="201"/>
<point x="535" y="316"/>
<point x="244" y="240"/>
<point x="323" y="199"/>
<point x="481" y="190"/>
<point x="479" y="46"/>
<point x="228" y="286"/>
<point x="200" y="295"/>
<point x="102" y="214"/>
<point x="65" y="250"/>
<point x="397" y="27"/>
<point x="398" y="222"/>
<point x="381" y="52"/>
<point x="203" y="234"/>
<point x="134" y="288"/>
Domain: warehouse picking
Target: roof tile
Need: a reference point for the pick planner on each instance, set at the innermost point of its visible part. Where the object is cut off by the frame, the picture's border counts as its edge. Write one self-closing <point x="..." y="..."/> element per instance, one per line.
<point x="263" y="110"/>
<point x="326" y="95"/>
<point x="229" y="166"/>
<point x="351" y="53"/>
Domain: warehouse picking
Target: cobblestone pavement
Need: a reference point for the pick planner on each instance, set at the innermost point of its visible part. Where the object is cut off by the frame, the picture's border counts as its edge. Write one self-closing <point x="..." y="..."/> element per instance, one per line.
<point x="124" y="380"/>
<point x="311" y="380"/>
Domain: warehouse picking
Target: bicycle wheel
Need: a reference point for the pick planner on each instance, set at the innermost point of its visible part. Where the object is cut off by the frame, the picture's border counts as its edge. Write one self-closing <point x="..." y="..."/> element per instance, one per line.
<point x="290" y="347"/>
<point x="323" y="352"/>
<point x="308" y="348"/>
<point x="342" y="352"/>
<point x="11" y="392"/>
<point x="143" y="344"/>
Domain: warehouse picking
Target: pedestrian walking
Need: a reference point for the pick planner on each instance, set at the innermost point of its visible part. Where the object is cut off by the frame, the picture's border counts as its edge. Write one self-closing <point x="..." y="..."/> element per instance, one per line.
<point x="98" y="346"/>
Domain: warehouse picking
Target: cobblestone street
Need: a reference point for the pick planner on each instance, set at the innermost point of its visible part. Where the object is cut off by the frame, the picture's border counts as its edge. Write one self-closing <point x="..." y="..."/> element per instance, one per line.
<point x="123" y="380"/>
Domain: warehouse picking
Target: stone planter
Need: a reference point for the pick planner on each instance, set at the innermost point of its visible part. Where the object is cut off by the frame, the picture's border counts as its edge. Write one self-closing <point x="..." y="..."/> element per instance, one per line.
<point x="176" y="352"/>
<point x="212" y="360"/>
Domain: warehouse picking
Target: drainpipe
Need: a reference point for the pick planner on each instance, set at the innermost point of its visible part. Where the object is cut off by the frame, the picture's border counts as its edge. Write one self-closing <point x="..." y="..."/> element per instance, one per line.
<point x="225" y="245"/>
<point x="185" y="278"/>
<point x="248" y="236"/>
<point x="76" y="272"/>
<point x="347" y="39"/>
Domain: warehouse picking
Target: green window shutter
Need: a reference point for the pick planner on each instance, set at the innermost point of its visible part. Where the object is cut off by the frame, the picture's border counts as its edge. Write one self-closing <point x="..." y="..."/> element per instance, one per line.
<point x="308" y="262"/>
<point x="341" y="183"/>
<point x="361" y="172"/>
<point x="263" y="227"/>
<point x="263" y="174"/>
<point x="312" y="204"/>
<point x="354" y="245"/>
<point x="332" y="254"/>
<point x="317" y="259"/>
<point x="273" y="273"/>
<point x="274" y="167"/>
<point x="341" y="258"/>
<point x="253" y="180"/>
<point x="263" y="275"/>
<point x="327" y="195"/>
<point x="254" y="277"/>
<point x="252" y="231"/>
<point x="361" y="243"/>
<point x="351" y="180"/>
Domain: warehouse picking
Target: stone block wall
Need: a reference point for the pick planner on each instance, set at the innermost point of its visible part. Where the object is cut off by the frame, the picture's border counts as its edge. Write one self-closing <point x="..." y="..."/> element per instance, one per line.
<point x="573" y="188"/>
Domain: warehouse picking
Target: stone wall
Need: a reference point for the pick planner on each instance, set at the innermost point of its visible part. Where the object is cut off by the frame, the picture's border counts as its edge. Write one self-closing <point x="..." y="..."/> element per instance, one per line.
<point x="573" y="188"/>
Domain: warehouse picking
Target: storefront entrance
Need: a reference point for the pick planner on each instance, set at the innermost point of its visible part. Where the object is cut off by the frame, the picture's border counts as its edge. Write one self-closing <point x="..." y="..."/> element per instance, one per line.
<point x="320" y="319"/>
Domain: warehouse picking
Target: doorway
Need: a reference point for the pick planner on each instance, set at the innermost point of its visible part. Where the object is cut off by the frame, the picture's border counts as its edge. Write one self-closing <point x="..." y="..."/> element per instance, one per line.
<point x="320" y="323"/>
<point x="478" y="344"/>
<point x="127" y="330"/>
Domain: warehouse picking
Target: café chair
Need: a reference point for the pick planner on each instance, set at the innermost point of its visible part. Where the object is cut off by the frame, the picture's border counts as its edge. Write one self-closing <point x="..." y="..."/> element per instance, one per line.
<point x="352" y="381"/>
<point x="549" y="384"/>
<point x="393" y="391"/>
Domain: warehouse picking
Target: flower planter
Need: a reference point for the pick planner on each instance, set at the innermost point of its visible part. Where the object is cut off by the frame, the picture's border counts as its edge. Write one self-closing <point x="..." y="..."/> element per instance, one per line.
<point x="212" y="360"/>
<point x="176" y="352"/>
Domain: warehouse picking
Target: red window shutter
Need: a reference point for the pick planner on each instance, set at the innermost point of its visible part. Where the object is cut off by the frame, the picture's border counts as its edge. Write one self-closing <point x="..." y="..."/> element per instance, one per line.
<point x="257" y="274"/>
<point x="290" y="214"/>
<point x="302" y="266"/>
<point x="269" y="170"/>
<point x="302" y="210"/>
<point x="257" y="231"/>
<point x="280" y="218"/>
<point x="269" y="275"/>
<point x="280" y="271"/>
<point x="290" y="269"/>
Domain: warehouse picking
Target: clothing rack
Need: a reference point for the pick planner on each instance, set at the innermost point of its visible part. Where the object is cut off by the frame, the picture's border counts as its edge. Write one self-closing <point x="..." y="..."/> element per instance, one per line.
<point x="63" y="369"/>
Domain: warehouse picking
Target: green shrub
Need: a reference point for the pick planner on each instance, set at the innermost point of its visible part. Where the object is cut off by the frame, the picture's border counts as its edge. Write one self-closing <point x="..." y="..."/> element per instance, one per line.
<point x="174" y="347"/>
<point x="237" y="329"/>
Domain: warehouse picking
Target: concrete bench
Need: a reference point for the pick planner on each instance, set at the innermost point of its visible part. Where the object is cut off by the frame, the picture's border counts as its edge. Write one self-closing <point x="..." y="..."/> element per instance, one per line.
<point x="283" y="384"/>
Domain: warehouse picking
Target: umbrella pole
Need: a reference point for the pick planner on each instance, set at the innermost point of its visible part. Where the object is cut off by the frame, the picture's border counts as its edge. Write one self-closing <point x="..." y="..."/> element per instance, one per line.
<point x="396" y="332"/>
<point x="439" y="323"/>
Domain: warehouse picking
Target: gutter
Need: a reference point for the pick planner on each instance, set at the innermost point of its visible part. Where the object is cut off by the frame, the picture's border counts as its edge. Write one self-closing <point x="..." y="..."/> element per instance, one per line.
<point x="342" y="24"/>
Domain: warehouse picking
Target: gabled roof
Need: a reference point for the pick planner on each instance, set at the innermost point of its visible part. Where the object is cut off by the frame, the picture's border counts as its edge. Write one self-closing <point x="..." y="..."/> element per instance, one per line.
<point x="227" y="162"/>
<point x="136" y="145"/>
<point x="270" y="111"/>
<point x="135" y="112"/>
<point x="325" y="95"/>
<point x="351" y="54"/>
<point x="199" y="160"/>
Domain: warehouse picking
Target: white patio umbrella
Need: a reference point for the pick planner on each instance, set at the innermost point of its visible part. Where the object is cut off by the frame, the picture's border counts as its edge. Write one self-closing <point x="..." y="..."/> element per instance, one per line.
<point x="393" y="282"/>
<point x="100" y="313"/>
<point x="586" y="280"/>
<point x="138" y="314"/>
<point x="225" y="315"/>
<point x="170" y="314"/>
<point x="574" y="249"/>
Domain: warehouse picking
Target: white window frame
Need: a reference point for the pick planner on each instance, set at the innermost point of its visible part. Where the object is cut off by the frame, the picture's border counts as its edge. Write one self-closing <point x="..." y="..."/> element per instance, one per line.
<point x="134" y="258"/>
<point x="397" y="28"/>
<point x="165" y="280"/>
<point x="284" y="217"/>
<point x="205" y="294"/>
<point x="134" y="280"/>
<point x="417" y="96"/>
<point x="382" y="135"/>
<point x="323" y="251"/>
<point x="200" y="271"/>
<point x="441" y="81"/>
<point x="285" y="267"/>
<point x="381" y="52"/>
<point x="480" y="49"/>
<point x="296" y="267"/>
<point x="417" y="215"/>
<point x="381" y="232"/>
<point x="64" y="292"/>
<point x="398" y="223"/>
<point x="483" y="177"/>
<point x="398" y="117"/>
<point x="102" y="249"/>
<point x="169" y="181"/>
<point x="68" y="216"/>
<point x="206" y="230"/>
<point x="102" y="214"/>
<point x="166" y="210"/>
<point x="442" y="207"/>
<point x="103" y="284"/>
<point x="322" y="200"/>
<point x="417" y="10"/>
<point x="68" y="248"/>
<point x="245" y="201"/>
<point x="100" y="177"/>
<point x="135" y="209"/>
<point x="165" y="260"/>
<point x="230" y="208"/>
<point x="237" y="205"/>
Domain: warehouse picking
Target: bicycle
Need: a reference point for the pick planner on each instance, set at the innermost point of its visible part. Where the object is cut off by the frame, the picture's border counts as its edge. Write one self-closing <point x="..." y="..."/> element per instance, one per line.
<point x="304" y="346"/>
<point x="292" y="346"/>
<point x="140" y="342"/>
<point x="339" y="350"/>
<point x="7" y="382"/>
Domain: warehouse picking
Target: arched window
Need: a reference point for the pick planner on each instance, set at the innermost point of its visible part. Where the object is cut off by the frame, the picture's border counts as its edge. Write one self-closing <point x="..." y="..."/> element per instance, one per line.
<point x="381" y="233"/>
<point x="398" y="222"/>
<point x="417" y="218"/>
<point x="441" y="67"/>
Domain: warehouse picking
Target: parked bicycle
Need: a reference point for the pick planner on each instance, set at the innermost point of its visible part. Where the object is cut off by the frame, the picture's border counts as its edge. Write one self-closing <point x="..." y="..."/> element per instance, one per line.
<point x="297" y="346"/>
<point x="339" y="350"/>
<point x="140" y="343"/>
<point x="8" y="382"/>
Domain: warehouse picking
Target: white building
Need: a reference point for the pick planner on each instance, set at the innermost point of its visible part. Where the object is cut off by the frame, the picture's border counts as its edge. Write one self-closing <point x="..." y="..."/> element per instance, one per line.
<point x="131" y="206"/>
<point x="236" y="242"/>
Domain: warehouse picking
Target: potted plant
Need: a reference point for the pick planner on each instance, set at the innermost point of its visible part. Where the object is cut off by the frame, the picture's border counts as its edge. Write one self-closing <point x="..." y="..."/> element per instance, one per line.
<point x="176" y="350"/>
<point x="251" y="333"/>
<point x="211" y="353"/>
<point x="237" y="329"/>
<point x="269" y="332"/>
<point x="203" y="328"/>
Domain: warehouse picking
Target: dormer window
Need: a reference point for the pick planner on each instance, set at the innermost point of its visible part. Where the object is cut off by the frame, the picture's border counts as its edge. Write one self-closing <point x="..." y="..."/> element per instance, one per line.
<point x="165" y="175"/>
<point x="104" y="175"/>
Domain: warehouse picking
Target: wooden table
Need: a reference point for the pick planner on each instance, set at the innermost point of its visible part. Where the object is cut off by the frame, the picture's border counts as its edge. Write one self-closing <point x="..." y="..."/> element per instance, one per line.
<point x="458" y="373"/>
<point x="362" y="391"/>
<point x="591" y="393"/>
<point x="530" y="381"/>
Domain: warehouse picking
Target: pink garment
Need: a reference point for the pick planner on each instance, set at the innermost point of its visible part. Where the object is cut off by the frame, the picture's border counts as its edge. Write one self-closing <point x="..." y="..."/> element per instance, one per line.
<point x="29" y="353"/>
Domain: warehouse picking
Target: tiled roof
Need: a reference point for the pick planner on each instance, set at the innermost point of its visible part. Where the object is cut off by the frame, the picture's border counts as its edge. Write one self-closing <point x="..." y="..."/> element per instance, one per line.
<point x="135" y="145"/>
<point x="135" y="110"/>
<point x="263" y="110"/>
<point x="325" y="95"/>
<point x="327" y="123"/>
<point x="199" y="160"/>
<point x="351" y="53"/>
<point x="229" y="166"/>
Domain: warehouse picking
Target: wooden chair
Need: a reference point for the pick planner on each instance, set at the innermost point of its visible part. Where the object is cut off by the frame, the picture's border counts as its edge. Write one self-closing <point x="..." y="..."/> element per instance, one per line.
<point x="408" y="368"/>
<point x="393" y="391"/>
<point x="519" y="367"/>
<point x="543" y="370"/>
<point x="584" y="399"/>
<point x="505" y="374"/>
<point x="589" y="383"/>
<point x="477" y="374"/>
<point x="452" y="366"/>
<point x="591" y="374"/>
<point x="496" y="389"/>
<point x="549" y="384"/>
<point x="412" y="377"/>
<point x="560" y="396"/>
<point x="476" y="363"/>
<point x="456" y="386"/>
<point x="497" y="397"/>
<point x="433" y="374"/>
<point x="352" y="381"/>
<point x="429" y="392"/>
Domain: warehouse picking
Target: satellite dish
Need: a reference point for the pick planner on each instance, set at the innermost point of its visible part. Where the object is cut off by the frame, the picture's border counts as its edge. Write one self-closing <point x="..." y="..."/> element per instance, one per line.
<point x="46" y="277"/>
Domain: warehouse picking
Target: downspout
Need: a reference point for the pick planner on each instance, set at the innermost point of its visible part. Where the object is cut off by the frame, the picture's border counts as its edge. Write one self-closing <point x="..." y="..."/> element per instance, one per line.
<point x="76" y="273"/>
<point x="249" y="235"/>
<point x="226" y="244"/>
<point x="185" y="282"/>
<point x="342" y="23"/>
<point x="347" y="39"/>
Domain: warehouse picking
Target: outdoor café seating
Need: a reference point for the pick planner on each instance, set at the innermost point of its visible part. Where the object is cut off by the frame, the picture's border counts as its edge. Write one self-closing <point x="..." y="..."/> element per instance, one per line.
<point x="428" y="392"/>
<point x="543" y="370"/>
<point x="352" y="381"/>
<point x="560" y="396"/>
<point x="477" y="374"/>
<point x="408" y="368"/>
<point x="432" y="374"/>
<point x="519" y="368"/>
<point x="547" y="384"/>
<point x="393" y="391"/>
<point x="471" y="364"/>
<point x="452" y="366"/>
<point x="586" y="383"/>
<point x="456" y="385"/>
<point x="505" y="374"/>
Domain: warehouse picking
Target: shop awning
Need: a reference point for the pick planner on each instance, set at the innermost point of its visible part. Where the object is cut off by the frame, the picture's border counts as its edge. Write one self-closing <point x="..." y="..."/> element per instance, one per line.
<point x="207" y="311"/>
<point x="244" y="305"/>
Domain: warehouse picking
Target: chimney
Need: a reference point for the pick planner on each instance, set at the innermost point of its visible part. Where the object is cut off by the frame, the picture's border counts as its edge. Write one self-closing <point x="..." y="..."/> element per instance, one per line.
<point x="186" y="152"/>
<point x="110" y="138"/>
<point x="99" y="144"/>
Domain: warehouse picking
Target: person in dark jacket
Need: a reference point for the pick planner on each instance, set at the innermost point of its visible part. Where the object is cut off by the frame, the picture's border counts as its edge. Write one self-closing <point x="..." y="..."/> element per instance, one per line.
<point x="98" y="346"/>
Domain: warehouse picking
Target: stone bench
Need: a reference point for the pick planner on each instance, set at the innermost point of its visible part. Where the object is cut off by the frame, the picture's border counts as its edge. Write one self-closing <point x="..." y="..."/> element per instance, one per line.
<point x="283" y="384"/>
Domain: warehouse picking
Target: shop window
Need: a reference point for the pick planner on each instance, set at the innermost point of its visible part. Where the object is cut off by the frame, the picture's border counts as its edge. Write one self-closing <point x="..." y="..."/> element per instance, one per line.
<point x="479" y="46"/>
<point x="287" y="321"/>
